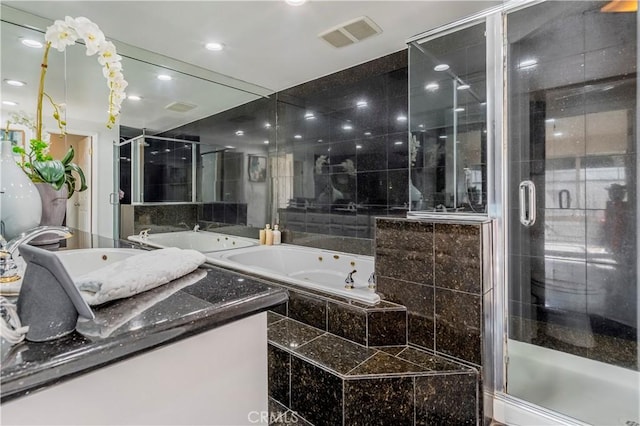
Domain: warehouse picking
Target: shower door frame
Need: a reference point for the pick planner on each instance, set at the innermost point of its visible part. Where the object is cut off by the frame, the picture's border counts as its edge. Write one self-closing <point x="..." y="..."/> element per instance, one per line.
<point x="498" y="404"/>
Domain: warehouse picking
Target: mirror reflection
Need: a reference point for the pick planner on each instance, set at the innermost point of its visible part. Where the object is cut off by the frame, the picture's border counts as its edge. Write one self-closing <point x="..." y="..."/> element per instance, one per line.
<point x="448" y="122"/>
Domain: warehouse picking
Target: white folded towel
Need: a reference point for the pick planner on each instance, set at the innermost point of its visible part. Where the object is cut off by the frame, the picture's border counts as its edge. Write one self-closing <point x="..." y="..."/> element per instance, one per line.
<point x="136" y="274"/>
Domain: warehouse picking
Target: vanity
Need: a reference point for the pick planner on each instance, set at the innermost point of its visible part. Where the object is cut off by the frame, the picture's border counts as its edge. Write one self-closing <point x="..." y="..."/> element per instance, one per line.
<point x="190" y="355"/>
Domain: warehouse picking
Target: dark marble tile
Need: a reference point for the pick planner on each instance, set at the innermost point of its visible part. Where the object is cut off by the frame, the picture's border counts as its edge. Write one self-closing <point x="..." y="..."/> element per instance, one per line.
<point x="281" y="415"/>
<point x="309" y="310"/>
<point x="291" y="334"/>
<point x="419" y="302"/>
<point x="279" y="370"/>
<point x="348" y="322"/>
<point x="459" y="325"/>
<point x="242" y="214"/>
<point x="315" y="393"/>
<point x="280" y="309"/>
<point x="430" y="361"/>
<point x="383" y="402"/>
<point x="387" y="328"/>
<point x="335" y="353"/>
<point x="383" y="363"/>
<point x="273" y="317"/>
<point x="404" y="250"/>
<point x="391" y="350"/>
<point x="449" y="399"/>
<point x="458" y="257"/>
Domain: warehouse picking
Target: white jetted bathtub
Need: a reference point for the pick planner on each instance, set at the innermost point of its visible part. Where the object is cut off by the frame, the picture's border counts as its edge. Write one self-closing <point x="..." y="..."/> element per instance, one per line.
<point x="201" y="241"/>
<point x="317" y="269"/>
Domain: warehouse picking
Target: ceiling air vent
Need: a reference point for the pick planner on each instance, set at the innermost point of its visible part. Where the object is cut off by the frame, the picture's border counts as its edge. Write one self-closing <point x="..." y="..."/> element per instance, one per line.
<point x="180" y="107"/>
<point x="351" y="32"/>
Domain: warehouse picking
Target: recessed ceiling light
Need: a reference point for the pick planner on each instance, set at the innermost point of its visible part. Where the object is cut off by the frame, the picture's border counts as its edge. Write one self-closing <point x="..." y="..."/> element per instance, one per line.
<point x="441" y="67"/>
<point x="134" y="98"/>
<point x="421" y="126"/>
<point x="167" y="150"/>
<point x="239" y="132"/>
<point x="528" y="63"/>
<point x="320" y="140"/>
<point x="297" y="136"/>
<point x="295" y="2"/>
<point x="358" y="146"/>
<point x="230" y="147"/>
<point x="483" y="103"/>
<point x="361" y="104"/>
<point x="216" y="47"/>
<point x="347" y="127"/>
<point x="442" y="136"/>
<point x="367" y="133"/>
<point x="556" y="134"/>
<point x="32" y="43"/>
<point x="266" y="142"/>
<point x="397" y="143"/>
<point x="432" y="87"/>
<point x="164" y="77"/>
<point x="267" y="125"/>
<point x="183" y="158"/>
<point x="16" y="83"/>
<point x="10" y="103"/>
<point x="459" y="109"/>
<point x="401" y="118"/>
<point x="309" y="116"/>
<point x="550" y="120"/>
<point x="463" y="87"/>
<point x="154" y="152"/>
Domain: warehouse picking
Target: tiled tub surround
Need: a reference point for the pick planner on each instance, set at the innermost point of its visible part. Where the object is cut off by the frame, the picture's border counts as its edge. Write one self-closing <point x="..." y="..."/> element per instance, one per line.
<point x="328" y="380"/>
<point x="436" y="269"/>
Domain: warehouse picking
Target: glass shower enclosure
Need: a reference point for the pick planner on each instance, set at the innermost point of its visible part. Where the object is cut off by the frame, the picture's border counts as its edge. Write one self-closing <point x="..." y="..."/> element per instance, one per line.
<point x="528" y="114"/>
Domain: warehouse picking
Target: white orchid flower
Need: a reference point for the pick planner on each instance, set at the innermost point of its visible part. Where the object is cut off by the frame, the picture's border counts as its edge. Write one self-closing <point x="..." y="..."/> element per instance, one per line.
<point x="91" y="34"/>
<point x="61" y="35"/>
<point x="107" y="54"/>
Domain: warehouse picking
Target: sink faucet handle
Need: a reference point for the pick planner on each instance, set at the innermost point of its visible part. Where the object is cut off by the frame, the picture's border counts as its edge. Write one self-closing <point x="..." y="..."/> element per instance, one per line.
<point x="349" y="280"/>
<point x="144" y="234"/>
<point x="372" y="281"/>
<point x="196" y="228"/>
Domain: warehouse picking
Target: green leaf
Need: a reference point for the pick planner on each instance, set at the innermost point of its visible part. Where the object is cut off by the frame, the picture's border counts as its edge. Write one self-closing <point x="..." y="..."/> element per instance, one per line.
<point x="68" y="156"/>
<point x="83" y="181"/>
<point x="52" y="171"/>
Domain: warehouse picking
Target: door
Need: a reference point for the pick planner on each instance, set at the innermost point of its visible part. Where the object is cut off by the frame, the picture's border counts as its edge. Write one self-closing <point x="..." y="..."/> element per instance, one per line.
<point x="572" y="173"/>
<point x="79" y="205"/>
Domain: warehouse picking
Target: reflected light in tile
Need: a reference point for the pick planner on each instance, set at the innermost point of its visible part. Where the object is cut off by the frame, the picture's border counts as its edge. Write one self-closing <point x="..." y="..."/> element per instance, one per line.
<point x="239" y="132"/>
<point x="463" y="87"/>
<point x="309" y="116"/>
<point x="297" y="136"/>
<point x="347" y="127"/>
<point x="401" y="118"/>
<point x="459" y="109"/>
<point x="361" y="104"/>
<point x="32" y="43"/>
<point x="528" y="63"/>
<point x="441" y="67"/>
<point x="397" y="143"/>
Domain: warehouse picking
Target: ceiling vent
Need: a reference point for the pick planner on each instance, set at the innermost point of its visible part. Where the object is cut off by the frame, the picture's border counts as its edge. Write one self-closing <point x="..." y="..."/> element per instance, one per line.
<point x="180" y="107"/>
<point x="351" y="32"/>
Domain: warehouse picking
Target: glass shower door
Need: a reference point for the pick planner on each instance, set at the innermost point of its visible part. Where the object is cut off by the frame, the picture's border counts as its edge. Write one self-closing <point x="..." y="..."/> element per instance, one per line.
<point x="572" y="173"/>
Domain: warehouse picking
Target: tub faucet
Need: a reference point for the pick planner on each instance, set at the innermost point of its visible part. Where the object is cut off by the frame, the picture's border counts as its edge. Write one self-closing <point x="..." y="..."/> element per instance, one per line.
<point x="349" y="280"/>
<point x="372" y="281"/>
<point x="8" y="267"/>
<point x="144" y="234"/>
<point x="196" y="227"/>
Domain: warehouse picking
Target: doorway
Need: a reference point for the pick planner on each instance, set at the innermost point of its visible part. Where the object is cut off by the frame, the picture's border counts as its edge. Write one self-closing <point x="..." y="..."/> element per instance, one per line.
<point x="79" y="206"/>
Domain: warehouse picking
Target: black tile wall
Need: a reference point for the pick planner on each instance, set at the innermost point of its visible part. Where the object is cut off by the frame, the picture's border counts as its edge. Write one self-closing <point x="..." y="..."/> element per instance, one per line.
<point x="449" y="399"/>
<point x="308" y="309"/>
<point x="279" y="370"/>
<point x="347" y="322"/>
<point x="387" y="328"/>
<point x="435" y="270"/>
<point x="315" y="393"/>
<point x="383" y="402"/>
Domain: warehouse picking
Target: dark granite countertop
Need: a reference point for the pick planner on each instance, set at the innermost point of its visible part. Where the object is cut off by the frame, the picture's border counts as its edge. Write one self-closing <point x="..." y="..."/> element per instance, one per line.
<point x="206" y="299"/>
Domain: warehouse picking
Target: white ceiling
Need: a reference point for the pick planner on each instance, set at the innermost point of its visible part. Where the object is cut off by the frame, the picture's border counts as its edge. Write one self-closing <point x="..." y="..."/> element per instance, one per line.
<point x="268" y="44"/>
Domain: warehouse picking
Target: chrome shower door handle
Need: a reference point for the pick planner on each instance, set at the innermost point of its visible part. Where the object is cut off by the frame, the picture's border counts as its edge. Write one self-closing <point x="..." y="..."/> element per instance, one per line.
<point x="527" y="203"/>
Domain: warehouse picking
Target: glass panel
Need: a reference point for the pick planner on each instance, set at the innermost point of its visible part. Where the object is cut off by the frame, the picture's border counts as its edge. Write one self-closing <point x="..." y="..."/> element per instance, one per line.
<point x="573" y="279"/>
<point x="167" y="171"/>
<point x="447" y="103"/>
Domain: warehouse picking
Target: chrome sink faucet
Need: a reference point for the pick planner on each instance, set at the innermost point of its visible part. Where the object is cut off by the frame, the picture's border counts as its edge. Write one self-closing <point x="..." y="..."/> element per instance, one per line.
<point x="8" y="267"/>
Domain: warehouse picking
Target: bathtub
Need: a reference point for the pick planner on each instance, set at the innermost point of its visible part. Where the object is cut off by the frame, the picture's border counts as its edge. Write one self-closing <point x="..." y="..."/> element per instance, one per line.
<point x="201" y="241"/>
<point x="316" y="269"/>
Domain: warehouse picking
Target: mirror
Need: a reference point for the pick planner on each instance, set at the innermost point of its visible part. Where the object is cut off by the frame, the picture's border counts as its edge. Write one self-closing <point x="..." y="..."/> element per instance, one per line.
<point x="448" y="122"/>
